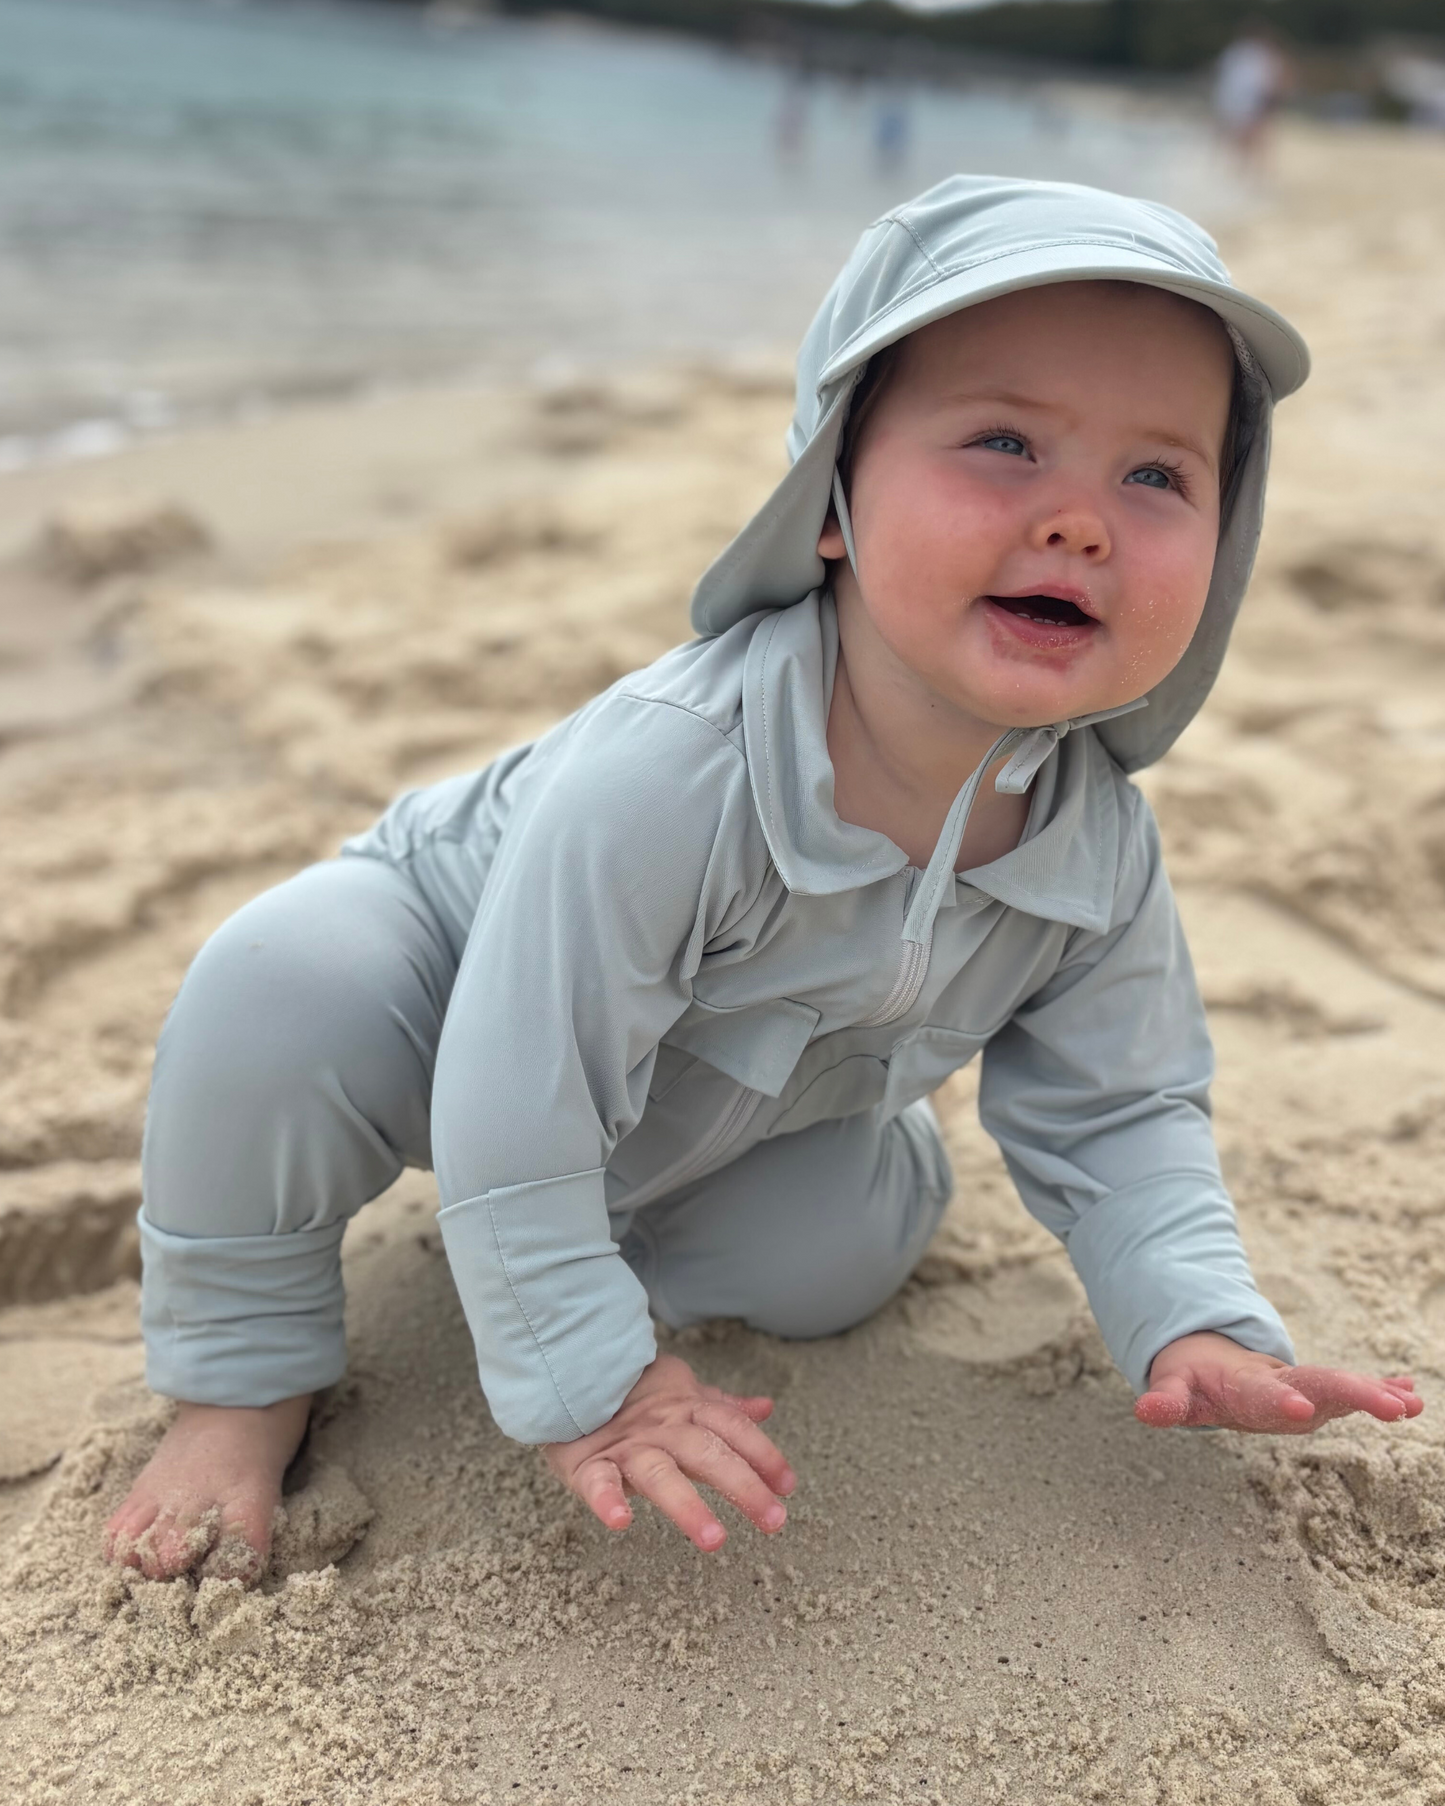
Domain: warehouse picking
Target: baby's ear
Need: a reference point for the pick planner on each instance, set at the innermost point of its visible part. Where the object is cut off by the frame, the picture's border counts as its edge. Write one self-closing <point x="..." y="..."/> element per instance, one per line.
<point x="830" y="540"/>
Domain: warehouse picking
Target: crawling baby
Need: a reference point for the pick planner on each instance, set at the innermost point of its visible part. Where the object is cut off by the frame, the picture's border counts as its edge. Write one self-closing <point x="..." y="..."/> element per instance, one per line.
<point x="662" y="997"/>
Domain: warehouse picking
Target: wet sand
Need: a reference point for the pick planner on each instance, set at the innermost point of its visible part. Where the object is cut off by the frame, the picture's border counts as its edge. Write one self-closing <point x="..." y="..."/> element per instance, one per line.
<point x="994" y="1585"/>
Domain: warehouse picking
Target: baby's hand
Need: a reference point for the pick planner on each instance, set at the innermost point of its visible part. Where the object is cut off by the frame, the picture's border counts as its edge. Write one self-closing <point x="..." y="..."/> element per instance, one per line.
<point x="669" y="1431"/>
<point x="1209" y="1379"/>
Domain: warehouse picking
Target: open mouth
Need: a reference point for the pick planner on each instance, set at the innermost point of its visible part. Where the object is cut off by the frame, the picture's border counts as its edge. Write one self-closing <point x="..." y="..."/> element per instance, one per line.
<point x="1044" y="611"/>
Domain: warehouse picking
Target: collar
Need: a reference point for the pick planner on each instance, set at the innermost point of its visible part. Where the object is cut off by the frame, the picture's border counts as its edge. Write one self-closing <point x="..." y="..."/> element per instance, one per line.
<point x="1063" y="868"/>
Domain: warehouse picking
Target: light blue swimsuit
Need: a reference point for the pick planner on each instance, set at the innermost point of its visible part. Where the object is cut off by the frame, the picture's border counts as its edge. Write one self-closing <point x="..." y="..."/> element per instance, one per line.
<point x="666" y="1026"/>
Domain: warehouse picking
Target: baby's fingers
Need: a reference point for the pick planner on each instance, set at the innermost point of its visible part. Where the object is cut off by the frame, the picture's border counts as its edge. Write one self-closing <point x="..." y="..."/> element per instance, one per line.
<point x="704" y="1456"/>
<point x="598" y="1483"/>
<point x="1266" y="1399"/>
<point x="1251" y="1398"/>
<point x="655" y="1474"/>
<point x="1167" y="1405"/>
<point x="740" y="1432"/>
<point x="1335" y="1393"/>
<point x="753" y="1405"/>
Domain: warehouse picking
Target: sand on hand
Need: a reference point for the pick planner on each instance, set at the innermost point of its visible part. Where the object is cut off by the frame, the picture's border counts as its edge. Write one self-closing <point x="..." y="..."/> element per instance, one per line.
<point x="994" y="1585"/>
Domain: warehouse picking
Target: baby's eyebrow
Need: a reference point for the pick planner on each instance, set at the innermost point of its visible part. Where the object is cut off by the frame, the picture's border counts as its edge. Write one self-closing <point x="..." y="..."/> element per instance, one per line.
<point x="1182" y="442"/>
<point x="1001" y="398"/>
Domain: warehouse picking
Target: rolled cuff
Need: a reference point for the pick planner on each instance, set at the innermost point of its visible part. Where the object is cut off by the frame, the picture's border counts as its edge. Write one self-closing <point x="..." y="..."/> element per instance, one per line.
<point x="242" y="1320"/>
<point x="1163" y="1259"/>
<point x="560" y="1323"/>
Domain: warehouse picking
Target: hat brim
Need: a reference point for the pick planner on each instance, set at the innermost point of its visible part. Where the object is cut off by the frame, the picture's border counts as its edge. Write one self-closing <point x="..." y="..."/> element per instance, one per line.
<point x="1282" y="354"/>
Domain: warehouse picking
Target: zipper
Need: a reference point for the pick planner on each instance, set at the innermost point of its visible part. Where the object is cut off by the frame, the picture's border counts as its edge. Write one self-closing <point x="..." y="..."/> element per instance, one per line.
<point x="909" y="982"/>
<point x="730" y="1127"/>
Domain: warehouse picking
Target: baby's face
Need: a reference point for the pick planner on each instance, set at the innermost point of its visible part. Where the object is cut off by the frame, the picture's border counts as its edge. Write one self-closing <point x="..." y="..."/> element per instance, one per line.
<point x="1035" y="499"/>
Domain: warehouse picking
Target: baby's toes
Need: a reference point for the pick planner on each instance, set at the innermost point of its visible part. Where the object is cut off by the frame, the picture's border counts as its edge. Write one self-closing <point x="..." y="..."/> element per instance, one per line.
<point x="243" y="1541"/>
<point x="177" y="1540"/>
<point x="125" y="1528"/>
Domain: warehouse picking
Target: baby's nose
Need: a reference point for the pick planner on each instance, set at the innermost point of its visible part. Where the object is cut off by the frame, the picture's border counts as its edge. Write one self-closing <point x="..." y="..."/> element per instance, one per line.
<point x="1062" y="539"/>
<point x="1078" y="531"/>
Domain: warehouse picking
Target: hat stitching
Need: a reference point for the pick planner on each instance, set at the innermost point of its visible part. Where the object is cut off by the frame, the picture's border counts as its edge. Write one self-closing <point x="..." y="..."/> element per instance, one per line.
<point x="892" y="219"/>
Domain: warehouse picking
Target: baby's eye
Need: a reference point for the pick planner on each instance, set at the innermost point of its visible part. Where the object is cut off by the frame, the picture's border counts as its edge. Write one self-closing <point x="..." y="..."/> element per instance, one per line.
<point x="1151" y="476"/>
<point x="1004" y="442"/>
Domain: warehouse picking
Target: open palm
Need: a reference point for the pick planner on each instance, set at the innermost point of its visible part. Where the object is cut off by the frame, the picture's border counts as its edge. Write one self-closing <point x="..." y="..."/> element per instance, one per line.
<point x="1208" y="1379"/>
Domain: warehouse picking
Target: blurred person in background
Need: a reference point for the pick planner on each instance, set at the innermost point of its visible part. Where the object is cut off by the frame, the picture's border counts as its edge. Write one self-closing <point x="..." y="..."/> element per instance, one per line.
<point x="1251" y="79"/>
<point x="790" y="124"/>
<point x="891" y="134"/>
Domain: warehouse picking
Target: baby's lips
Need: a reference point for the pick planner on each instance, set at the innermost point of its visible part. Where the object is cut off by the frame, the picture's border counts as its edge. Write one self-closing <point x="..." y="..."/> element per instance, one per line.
<point x="1081" y="599"/>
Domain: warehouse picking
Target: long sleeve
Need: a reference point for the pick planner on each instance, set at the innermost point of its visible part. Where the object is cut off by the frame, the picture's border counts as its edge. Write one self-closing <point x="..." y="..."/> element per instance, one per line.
<point x="616" y="868"/>
<point x="1097" y="1092"/>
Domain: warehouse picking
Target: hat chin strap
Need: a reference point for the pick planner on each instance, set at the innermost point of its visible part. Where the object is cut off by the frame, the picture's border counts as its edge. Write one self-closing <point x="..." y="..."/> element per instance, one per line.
<point x="845" y="520"/>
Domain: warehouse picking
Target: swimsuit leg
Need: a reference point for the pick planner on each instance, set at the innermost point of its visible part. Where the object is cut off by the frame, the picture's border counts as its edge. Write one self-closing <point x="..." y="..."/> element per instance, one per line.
<point x="802" y="1236"/>
<point x="292" y="1083"/>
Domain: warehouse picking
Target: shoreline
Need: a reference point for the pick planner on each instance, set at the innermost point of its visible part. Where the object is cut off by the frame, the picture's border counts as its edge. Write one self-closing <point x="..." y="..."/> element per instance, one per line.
<point x="494" y="164"/>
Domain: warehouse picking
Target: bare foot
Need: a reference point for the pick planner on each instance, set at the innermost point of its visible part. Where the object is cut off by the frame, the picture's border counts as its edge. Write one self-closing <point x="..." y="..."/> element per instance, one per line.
<point x="209" y="1493"/>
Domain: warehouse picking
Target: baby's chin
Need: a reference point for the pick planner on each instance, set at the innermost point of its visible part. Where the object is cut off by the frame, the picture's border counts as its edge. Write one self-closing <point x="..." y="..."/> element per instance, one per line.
<point x="1006" y="694"/>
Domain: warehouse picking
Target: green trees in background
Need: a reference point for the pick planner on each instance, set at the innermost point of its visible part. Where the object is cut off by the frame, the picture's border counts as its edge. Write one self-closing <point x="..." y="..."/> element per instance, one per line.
<point x="1165" y="35"/>
<point x="1162" y="36"/>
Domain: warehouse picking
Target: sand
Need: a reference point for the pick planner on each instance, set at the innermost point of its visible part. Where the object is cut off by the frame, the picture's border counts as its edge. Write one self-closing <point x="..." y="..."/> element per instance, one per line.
<point x="994" y="1585"/>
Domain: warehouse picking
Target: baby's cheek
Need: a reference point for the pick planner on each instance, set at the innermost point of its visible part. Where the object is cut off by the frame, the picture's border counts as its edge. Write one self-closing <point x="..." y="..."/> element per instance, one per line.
<point x="918" y="589"/>
<point x="935" y="526"/>
<point x="934" y="562"/>
<point x="1155" y="634"/>
<point x="1162" y="607"/>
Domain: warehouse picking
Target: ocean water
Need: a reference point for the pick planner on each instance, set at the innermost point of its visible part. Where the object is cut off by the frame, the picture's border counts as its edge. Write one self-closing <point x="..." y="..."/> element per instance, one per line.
<point x="207" y="206"/>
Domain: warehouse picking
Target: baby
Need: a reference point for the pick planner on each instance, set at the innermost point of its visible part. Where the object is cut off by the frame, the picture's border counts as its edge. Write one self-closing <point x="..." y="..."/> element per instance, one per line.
<point x="663" y="996"/>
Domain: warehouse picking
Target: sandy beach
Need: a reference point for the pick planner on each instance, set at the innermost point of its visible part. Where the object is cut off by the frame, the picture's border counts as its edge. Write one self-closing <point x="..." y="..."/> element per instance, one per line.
<point x="222" y="651"/>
